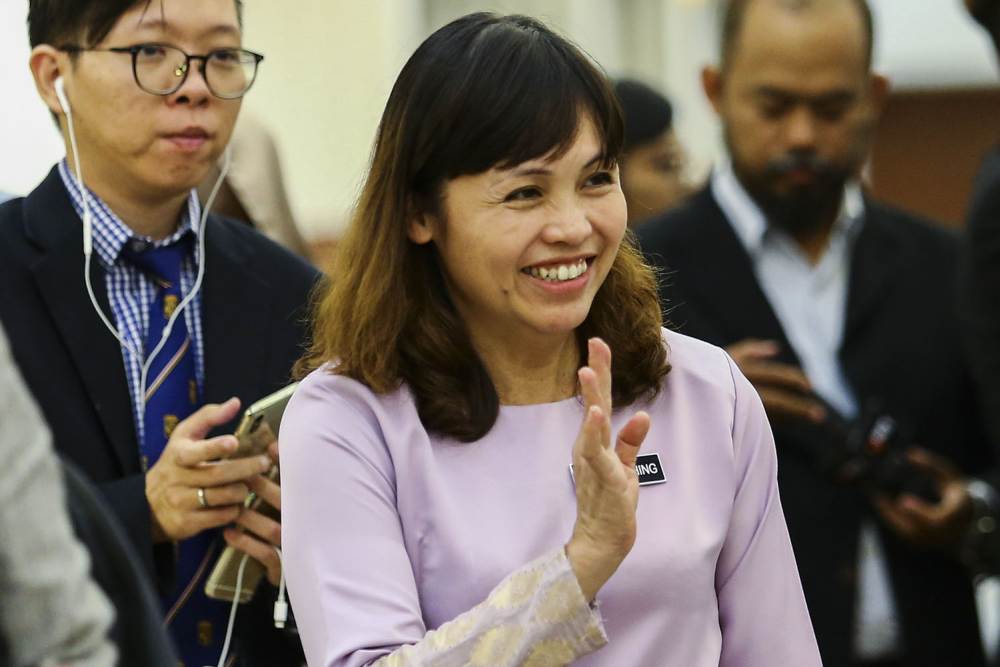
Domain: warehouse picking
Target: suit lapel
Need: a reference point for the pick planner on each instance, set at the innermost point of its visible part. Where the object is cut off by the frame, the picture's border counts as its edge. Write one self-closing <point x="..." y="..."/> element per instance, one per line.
<point x="237" y="316"/>
<point x="728" y="290"/>
<point x="55" y="227"/>
<point x="874" y="262"/>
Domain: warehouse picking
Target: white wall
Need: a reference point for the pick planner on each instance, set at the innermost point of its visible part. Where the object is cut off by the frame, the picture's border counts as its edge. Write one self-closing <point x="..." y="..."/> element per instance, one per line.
<point x="932" y="44"/>
<point x="329" y="69"/>
<point x="593" y="24"/>
<point x="691" y="40"/>
<point x="29" y="140"/>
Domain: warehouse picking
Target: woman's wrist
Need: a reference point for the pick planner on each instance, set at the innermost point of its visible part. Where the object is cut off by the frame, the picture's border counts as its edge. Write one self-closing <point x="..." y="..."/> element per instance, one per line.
<point x="592" y="565"/>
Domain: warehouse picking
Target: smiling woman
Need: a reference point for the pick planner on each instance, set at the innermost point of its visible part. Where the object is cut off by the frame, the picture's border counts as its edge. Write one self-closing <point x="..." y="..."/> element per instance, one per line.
<point x="453" y="493"/>
<point x="504" y="159"/>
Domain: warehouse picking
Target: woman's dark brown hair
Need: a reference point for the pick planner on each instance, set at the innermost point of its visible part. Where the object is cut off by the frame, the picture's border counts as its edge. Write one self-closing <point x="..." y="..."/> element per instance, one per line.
<point x="484" y="91"/>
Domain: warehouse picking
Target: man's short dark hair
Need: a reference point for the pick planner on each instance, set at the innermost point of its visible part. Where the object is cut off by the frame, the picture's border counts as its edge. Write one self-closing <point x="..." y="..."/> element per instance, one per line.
<point x="82" y="22"/>
<point x="734" y="11"/>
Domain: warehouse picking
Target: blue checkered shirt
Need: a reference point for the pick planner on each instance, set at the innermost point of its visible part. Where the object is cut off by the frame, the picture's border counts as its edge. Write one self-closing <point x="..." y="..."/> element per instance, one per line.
<point x="131" y="292"/>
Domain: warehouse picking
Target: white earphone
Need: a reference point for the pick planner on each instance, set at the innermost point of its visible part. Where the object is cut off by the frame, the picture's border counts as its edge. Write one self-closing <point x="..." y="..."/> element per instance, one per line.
<point x="65" y="107"/>
<point x="61" y="93"/>
<point x="88" y="242"/>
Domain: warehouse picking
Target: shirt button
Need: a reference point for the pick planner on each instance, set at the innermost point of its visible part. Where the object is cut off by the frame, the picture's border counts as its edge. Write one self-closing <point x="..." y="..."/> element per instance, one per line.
<point x="138" y="245"/>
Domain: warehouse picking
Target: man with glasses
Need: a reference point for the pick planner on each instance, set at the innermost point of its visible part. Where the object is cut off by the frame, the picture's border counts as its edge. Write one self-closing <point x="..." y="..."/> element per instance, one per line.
<point x="138" y="321"/>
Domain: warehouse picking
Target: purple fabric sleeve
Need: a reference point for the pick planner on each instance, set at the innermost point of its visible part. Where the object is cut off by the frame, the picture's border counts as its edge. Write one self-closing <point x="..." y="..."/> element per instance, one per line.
<point x="757" y="581"/>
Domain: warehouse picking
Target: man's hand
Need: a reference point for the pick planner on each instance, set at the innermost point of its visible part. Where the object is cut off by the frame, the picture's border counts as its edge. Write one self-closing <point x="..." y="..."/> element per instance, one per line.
<point x="925" y="524"/>
<point x="784" y="389"/>
<point x="261" y="533"/>
<point x="189" y="463"/>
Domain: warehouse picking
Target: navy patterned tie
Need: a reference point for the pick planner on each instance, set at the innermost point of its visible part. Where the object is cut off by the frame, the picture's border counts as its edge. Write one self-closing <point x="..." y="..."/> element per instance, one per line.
<point x="196" y="623"/>
<point x="171" y="390"/>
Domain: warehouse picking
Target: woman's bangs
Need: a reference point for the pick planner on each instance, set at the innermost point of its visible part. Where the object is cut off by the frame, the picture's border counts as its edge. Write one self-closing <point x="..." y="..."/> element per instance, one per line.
<point x="529" y="104"/>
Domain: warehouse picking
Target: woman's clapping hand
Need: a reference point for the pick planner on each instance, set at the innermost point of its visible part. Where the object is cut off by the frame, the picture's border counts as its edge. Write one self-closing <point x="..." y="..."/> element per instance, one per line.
<point x="607" y="486"/>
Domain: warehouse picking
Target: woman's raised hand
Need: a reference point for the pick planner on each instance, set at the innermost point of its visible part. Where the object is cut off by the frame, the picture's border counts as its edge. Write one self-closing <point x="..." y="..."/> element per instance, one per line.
<point x="607" y="486"/>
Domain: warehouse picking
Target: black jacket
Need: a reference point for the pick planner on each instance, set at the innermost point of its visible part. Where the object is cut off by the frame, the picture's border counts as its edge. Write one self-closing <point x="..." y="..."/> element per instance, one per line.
<point x="138" y="634"/>
<point x="254" y="297"/>
<point x="901" y="347"/>
<point x="980" y="288"/>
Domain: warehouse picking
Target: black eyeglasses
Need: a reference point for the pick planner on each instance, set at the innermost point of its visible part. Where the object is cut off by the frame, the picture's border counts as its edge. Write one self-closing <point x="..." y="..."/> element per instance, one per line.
<point x="161" y="70"/>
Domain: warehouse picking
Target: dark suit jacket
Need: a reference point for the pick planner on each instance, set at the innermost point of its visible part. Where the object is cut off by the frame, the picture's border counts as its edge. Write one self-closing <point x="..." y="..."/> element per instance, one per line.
<point x="253" y="314"/>
<point x="901" y="345"/>
<point x="980" y="288"/>
<point x="138" y="634"/>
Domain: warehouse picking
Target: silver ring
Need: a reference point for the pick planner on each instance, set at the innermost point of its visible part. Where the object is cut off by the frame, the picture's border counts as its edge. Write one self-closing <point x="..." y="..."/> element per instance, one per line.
<point x="201" y="498"/>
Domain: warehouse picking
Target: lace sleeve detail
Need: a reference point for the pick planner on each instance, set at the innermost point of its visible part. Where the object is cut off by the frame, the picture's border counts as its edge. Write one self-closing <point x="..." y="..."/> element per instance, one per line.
<point x="535" y="617"/>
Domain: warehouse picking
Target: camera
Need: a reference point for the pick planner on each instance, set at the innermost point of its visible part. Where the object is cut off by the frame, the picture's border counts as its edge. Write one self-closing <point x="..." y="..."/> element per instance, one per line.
<point x="868" y="452"/>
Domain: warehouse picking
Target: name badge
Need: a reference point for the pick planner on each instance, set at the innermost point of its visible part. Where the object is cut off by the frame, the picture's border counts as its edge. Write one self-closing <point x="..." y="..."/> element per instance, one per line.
<point x="648" y="468"/>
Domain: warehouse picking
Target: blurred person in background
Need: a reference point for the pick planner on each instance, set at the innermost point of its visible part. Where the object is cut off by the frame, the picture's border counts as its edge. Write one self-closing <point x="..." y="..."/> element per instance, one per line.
<point x="987" y="14"/>
<point x="980" y="288"/>
<point x="979" y="298"/>
<point x="254" y="188"/>
<point x="841" y="312"/>
<point x="139" y="339"/>
<point x="653" y="162"/>
<point x="51" y="611"/>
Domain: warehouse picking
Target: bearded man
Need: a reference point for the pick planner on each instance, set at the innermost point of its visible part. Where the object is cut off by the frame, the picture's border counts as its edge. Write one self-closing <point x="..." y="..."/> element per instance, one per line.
<point x="841" y="312"/>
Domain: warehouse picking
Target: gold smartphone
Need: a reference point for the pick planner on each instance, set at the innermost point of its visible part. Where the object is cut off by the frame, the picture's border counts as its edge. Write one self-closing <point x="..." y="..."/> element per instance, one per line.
<point x="256" y="431"/>
<point x="259" y="426"/>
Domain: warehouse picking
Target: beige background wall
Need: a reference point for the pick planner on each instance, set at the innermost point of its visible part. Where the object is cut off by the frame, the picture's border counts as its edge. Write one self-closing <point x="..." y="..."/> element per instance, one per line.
<point x="329" y="69"/>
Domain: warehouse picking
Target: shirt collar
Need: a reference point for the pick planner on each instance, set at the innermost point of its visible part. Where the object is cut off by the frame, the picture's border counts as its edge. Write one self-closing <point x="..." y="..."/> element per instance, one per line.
<point x="749" y="222"/>
<point x="110" y="233"/>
